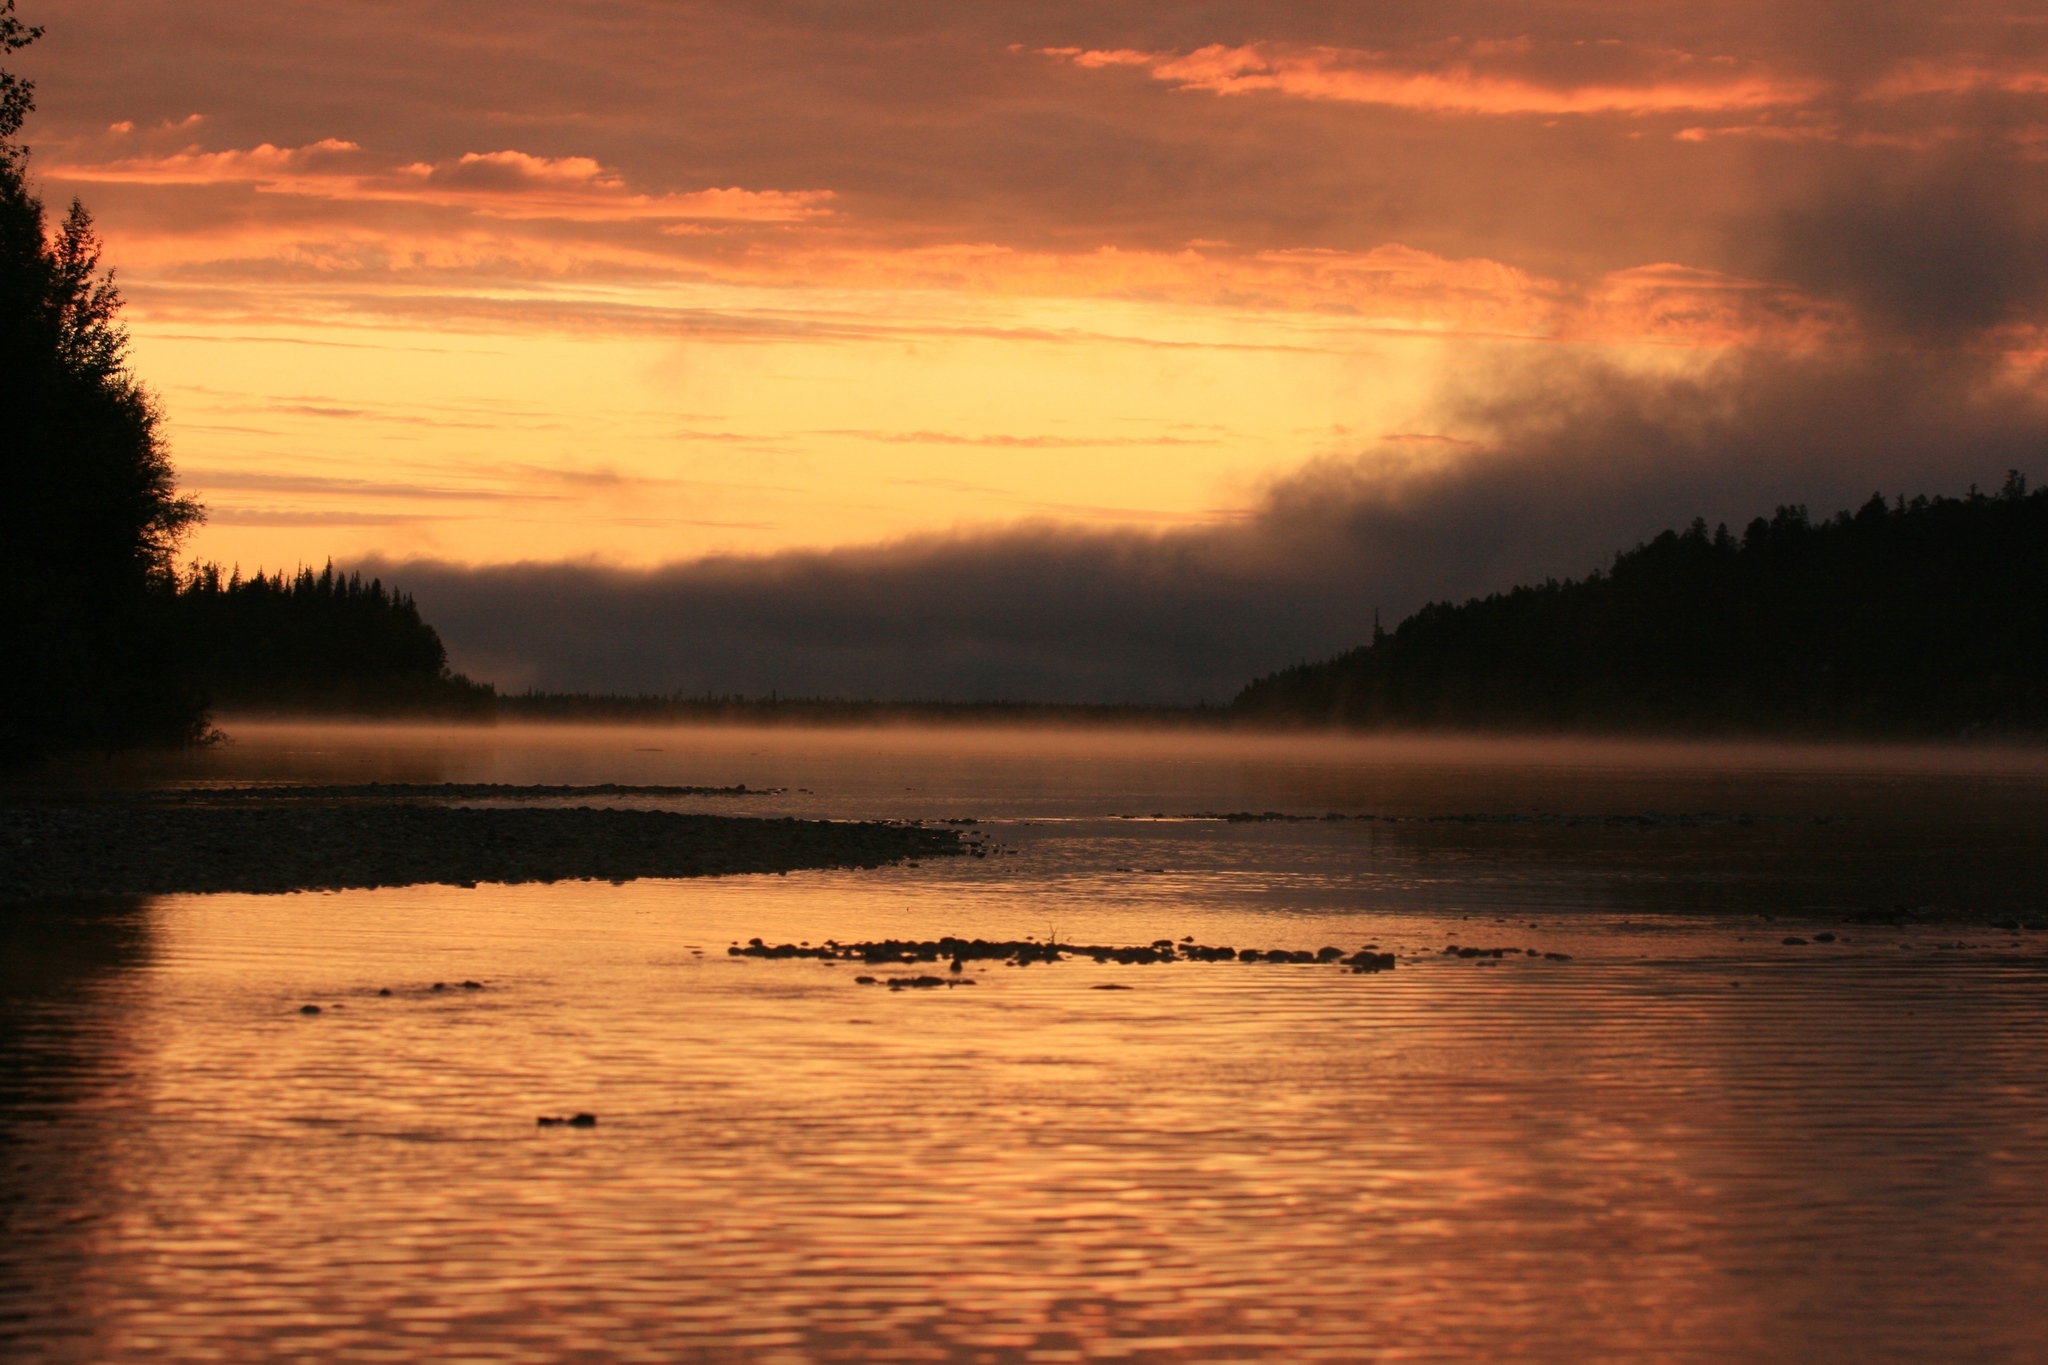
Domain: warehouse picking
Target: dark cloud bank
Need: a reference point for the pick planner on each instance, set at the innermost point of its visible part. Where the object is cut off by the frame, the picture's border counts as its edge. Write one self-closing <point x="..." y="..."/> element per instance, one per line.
<point x="1588" y="462"/>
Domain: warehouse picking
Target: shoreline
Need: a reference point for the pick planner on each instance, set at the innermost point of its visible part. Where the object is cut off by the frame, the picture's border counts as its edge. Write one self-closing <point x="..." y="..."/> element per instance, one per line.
<point x="144" y="846"/>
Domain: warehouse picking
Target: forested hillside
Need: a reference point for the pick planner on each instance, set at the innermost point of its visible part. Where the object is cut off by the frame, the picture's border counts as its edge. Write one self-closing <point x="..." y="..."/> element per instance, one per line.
<point x="314" y="642"/>
<point x="92" y="513"/>
<point x="1921" y="617"/>
<point x="106" y="644"/>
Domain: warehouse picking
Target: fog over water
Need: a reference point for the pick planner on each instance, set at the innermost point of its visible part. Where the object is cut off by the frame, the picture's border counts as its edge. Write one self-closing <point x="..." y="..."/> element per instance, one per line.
<point x="1679" y="1136"/>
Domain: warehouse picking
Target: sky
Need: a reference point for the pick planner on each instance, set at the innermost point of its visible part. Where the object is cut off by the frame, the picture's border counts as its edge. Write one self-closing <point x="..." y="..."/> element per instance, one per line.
<point x="1089" y="351"/>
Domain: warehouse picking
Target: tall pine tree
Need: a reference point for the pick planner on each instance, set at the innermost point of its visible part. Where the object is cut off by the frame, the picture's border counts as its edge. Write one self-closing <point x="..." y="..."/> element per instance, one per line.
<point x="90" y="514"/>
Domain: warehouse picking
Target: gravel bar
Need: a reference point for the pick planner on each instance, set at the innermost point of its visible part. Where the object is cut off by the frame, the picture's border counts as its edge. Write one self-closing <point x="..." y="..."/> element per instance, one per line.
<point x="435" y="791"/>
<point x="152" y="849"/>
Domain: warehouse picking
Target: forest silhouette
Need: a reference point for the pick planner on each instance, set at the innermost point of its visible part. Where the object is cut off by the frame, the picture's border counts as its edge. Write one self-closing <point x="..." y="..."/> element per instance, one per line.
<point x="109" y="646"/>
<point x="92" y="514"/>
<point x="323" y="642"/>
<point x="1921" y="617"/>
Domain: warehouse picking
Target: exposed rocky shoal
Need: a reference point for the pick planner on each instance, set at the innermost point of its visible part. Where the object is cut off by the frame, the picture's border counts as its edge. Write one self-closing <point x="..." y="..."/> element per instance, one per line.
<point x="145" y="846"/>
<point x="440" y="791"/>
<point x="1024" y="952"/>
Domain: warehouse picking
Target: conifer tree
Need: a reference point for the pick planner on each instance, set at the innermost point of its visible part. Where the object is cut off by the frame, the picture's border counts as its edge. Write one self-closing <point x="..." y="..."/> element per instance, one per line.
<point x="91" y="515"/>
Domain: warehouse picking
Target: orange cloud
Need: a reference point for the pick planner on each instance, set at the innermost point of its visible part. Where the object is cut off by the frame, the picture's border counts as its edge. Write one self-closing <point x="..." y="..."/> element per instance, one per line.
<point x="1314" y="299"/>
<point x="1768" y="132"/>
<point x="1675" y="82"/>
<point x="507" y="184"/>
<point x="513" y="245"/>
<point x="1825" y="130"/>
<point x="1392" y="288"/>
<point x="264" y="165"/>
<point x="1671" y="304"/>
<point x="1957" y="78"/>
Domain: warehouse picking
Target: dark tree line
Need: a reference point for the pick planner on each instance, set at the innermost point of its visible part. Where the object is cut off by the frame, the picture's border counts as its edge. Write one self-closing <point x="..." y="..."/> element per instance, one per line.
<point x="91" y="514"/>
<point x="101" y="645"/>
<point x="1929" y="616"/>
<point x="321" y="642"/>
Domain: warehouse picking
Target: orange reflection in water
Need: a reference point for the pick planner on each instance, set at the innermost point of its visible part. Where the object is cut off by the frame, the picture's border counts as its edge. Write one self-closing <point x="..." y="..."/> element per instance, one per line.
<point x="1618" y="1157"/>
<point x="1689" y="1142"/>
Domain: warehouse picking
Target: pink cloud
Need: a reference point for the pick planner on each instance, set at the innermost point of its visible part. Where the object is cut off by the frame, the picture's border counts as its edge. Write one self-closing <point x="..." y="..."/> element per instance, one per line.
<point x="1455" y="80"/>
<point x="262" y="165"/>
<point x="504" y="184"/>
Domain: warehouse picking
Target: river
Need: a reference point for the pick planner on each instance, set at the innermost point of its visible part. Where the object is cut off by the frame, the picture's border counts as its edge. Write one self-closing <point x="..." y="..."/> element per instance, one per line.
<point x="1652" y="1130"/>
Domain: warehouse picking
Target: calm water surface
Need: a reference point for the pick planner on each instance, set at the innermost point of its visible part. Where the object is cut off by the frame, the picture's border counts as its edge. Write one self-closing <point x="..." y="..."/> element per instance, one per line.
<point x="1689" y="1142"/>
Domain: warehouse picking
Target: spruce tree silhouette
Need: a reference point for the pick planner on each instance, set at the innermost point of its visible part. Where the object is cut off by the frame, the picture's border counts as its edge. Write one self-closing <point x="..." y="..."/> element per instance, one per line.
<point x="316" y="643"/>
<point x="91" y="514"/>
<point x="1927" y="616"/>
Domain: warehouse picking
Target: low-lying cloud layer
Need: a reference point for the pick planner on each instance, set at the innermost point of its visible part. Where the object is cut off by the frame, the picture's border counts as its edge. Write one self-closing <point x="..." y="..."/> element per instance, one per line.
<point x="1588" y="461"/>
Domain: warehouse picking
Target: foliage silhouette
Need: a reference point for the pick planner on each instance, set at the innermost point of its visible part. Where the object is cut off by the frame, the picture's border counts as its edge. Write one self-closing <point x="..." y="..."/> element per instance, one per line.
<point x="1929" y="616"/>
<point x="324" y="642"/>
<point x="92" y="514"/>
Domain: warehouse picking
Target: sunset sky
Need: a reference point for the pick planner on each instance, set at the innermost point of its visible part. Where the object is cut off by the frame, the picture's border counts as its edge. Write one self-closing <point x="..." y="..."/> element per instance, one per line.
<point x="754" y="331"/>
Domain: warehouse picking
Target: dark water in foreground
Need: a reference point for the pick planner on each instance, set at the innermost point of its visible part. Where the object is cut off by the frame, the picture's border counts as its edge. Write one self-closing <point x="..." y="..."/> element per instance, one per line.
<point x="1689" y="1142"/>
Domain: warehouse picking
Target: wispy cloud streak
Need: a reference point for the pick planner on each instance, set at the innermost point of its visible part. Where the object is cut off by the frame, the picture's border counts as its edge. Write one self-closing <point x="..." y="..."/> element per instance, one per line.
<point x="1459" y="77"/>
<point x="502" y="184"/>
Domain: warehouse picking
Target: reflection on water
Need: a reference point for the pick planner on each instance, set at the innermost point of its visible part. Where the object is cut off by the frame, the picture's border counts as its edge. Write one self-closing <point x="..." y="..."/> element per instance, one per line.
<point x="64" y="971"/>
<point x="1690" y="1142"/>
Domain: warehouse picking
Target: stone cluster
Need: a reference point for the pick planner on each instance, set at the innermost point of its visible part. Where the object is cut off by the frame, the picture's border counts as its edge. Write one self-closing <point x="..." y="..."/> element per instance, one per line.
<point x="1024" y="952"/>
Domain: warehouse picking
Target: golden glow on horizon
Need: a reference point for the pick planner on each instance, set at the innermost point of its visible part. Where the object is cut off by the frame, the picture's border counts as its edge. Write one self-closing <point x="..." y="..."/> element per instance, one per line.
<point x="644" y="421"/>
<point x="638" y="448"/>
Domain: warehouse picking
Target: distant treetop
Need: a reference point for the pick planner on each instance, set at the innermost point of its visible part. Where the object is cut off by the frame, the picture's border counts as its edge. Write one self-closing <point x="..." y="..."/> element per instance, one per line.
<point x="1927" y="616"/>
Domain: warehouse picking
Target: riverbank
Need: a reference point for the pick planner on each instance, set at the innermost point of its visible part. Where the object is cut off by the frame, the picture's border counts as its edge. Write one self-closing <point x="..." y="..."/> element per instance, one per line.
<point x="278" y="841"/>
